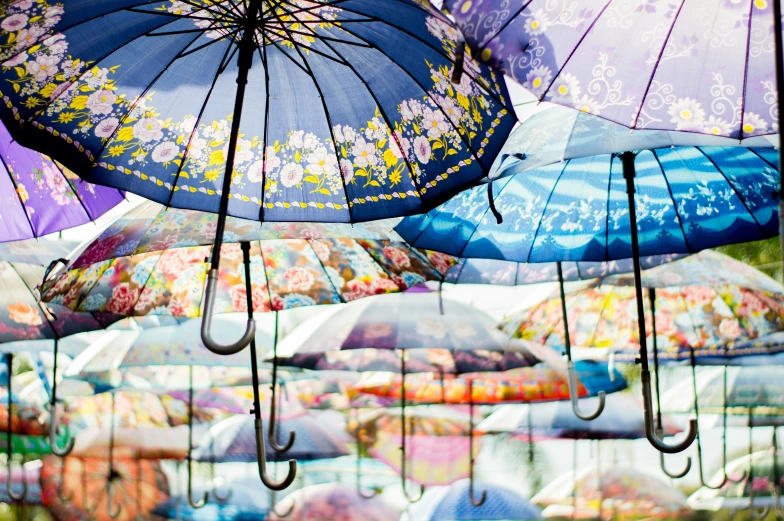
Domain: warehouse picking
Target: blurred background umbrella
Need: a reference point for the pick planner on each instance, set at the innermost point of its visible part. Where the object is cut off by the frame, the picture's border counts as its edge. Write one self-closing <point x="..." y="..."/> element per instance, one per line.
<point x="450" y="503"/>
<point x="624" y="494"/>
<point x="336" y="502"/>
<point x="138" y="485"/>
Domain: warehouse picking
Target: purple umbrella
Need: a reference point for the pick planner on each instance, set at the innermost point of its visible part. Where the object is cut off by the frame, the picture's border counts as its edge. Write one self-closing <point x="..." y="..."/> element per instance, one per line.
<point x="39" y="196"/>
<point x="704" y="66"/>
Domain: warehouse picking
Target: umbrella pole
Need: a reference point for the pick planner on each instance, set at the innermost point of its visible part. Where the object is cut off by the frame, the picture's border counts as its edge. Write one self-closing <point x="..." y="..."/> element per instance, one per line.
<point x="627" y="159"/>
<point x="8" y="438"/>
<point x="483" y="497"/>
<point x="261" y="452"/>
<point x="358" y="435"/>
<point x="272" y="431"/>
<point x="779" y="48"/>
<point x="760" y="513"/>
<point x="573" y="394"/>
<point x="403" y="432"/>
<point x="53" y="426"/>
<point x="113" y="475"/>
<point x="244" y="63"/>
<point x="659" y="422"/>
<point x="200" y="503"/>
<point x="530" y="436"/>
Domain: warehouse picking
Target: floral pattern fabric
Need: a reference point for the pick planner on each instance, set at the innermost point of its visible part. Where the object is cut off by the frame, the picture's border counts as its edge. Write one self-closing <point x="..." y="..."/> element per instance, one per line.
<point x="629" y="494"/>
<point x="705" y="319"/>
<point x="703" y="67"/>
<point x="687" y="199"/>
<point x="306" y="151"/>
<point x="40" y="196"/>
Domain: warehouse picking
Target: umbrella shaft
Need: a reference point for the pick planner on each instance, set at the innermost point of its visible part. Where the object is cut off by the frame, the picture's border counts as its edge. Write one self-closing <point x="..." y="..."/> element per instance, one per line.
<point x="244" y="62"/>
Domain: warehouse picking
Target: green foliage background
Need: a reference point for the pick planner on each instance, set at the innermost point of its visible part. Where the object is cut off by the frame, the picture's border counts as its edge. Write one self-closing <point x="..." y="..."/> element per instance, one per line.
<point x="763" y="255"/>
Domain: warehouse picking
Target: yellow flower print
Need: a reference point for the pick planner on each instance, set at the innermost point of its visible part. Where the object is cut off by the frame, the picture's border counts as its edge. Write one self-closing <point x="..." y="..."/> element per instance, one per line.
<point x="22" y="191"/>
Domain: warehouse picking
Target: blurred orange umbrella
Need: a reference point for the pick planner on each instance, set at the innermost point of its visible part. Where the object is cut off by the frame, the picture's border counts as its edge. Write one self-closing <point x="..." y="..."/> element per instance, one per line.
<point x="102" y="490"/>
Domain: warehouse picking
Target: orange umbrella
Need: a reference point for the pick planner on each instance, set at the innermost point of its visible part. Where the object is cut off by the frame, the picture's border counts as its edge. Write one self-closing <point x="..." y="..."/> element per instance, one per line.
<point x="102" y="490"/>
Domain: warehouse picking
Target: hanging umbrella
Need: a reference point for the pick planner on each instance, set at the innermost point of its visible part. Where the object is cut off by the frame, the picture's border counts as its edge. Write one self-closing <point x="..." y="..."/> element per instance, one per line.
<point x="233" y="440"/>
<point x="599" y="59"/>
<point x="142" y="265"/>
<point x="30" y="473"/>
<point x="129" y="137"/>
<point x="542" y="383"/>
<point x="41" y="197"/>
<point x="450" y="504"/>
<point x="137" y="486"/>
<point x="244" y="504"/>
<point x="439" y="453"/>
<point x="623" y="420"/>
<point x="333" y="502"/>
<point x="626" y="493"/>
<point x="403" y="325"/>
<point x="761" y="490"/>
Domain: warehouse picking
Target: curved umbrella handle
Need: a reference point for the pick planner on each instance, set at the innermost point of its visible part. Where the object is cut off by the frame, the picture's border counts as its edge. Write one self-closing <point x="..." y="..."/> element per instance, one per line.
<point x="261" y="457"/>
<point x="195" y="504"/>
<point x="9" y="487"/>
<point x="574" y="399"/>
<point x="482" y="498"/>
<point x="206" y="323"/>
<point x="360" y="491"/>
<point x="273" y="423"/>
<point x="674" y="475"/>
<point x="418" y="496"/>
<point x="756" y="513"/>
<point x="650" y="433"/>
<point x="113" y="513"/>
<point x="217" y="496"/>
<point x="285" y="514"/>
<point x="54" y="429"/>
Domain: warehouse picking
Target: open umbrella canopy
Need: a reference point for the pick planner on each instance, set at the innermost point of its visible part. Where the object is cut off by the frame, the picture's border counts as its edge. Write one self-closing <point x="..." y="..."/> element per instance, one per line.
<point x="752" y="392"/>
<point x="147" y="263"/>
<point x="625" y="493"/>
<point x="704" y="318"/>
<point x="407" y="321"/>
<point x="243" y="504"/>
<point x="735" y="495"/>
<point x="452" y="503"/>
<point x="622" y="419"/>
<point x="688" y="199"/>
<point x="37" y="252"/>
<point x="542" y="383"/>
<point x="333" y="502"/>
<point x="234" y="440"/>
<point x="402" y="141"/>
<point x="438" y="445"/>
<point x="137" y="486"/>
<point x="40" y="196"/>
<point x="597" y="57"/>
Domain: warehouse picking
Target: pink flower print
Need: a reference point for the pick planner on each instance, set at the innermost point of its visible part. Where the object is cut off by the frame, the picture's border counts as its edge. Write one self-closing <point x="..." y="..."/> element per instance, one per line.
<point x="422" y="149"/>
<point x="106" y="128"/>
<point x="441" y="261"/>
<point x="299" y="279"/>
<point x="311" y="233"/>
<point x="14" y="22"/>
<point x="322" y="250"/>
<point x="239" y="298"/>
<point x="122" y="299"/>
<point x="357" y="289"/>
<point x="398" y="256"/>
<point x="435" y="123"/>
<point x="383" y="285"/>
<point x="365" y="153"/>
<point x="43" y="67"/>
<point x="100" y="101"/>
<point x="27" y="37"/>
<point x="19" y="59"/>
<point x="148" y="129"/>
<point x="730" y="329"/>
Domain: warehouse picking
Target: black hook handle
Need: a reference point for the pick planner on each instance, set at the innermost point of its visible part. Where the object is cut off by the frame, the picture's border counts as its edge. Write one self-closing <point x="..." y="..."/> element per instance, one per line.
<point x="261" y="457"/>
<point x="650" y="433"/>
<point x="360" y="490"/>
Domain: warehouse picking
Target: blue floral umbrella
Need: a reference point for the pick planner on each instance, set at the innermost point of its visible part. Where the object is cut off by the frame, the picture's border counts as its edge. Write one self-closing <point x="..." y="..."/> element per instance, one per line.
<point x="585" y="209"/>
<point x="327" y="136"/>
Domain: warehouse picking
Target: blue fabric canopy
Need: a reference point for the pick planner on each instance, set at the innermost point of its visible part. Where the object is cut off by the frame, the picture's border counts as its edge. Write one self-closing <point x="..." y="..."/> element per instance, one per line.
<point x="350" y="113"/>
<point x="687" y="199"/>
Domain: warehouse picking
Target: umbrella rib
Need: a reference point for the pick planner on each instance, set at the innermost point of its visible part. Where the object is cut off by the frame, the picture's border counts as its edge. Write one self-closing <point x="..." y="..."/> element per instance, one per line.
<point x="506" y="24"/>
<point x="544" y="209"/>
<point x="754" y="151"/>
<point x="746" y="69"/>
<point x="225" y="37"/>
<point x="124" y="117"/>
<point x="658" y="61"/>
<point x="73" y="189"/>
<point x="742" y="200"/>
<point x="483" y="217"/>
<point x="381" y="110"/>
<point x="576" y="46"/>
<point x="265" y="63"/>
<point x="672" y="198"/>
<point x="24" y="210"/>
<point x="218" y="72"/>
<point x="79" y="76"/>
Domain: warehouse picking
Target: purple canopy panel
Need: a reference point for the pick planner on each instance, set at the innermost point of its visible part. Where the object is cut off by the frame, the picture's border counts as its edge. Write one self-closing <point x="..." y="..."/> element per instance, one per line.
<point x="39" y="197"/>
